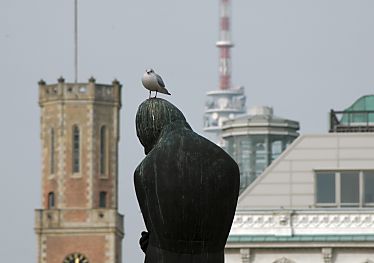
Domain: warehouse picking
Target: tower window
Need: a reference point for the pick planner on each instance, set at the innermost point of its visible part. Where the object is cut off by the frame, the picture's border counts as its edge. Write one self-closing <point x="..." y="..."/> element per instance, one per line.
<point x="52" y="152"/>
<point x="102" y="153"/>
<point x="76" y="149"/>
<point x="51" y="200"/>
<point x="102" y="199"/>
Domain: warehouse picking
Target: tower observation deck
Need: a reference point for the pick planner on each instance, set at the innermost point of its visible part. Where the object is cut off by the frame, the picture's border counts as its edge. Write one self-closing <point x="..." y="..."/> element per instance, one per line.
<point x="226" y="102"/>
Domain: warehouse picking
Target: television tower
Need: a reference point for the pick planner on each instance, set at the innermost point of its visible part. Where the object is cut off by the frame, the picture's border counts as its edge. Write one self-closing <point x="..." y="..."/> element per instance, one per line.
<point x="228" y="101"/>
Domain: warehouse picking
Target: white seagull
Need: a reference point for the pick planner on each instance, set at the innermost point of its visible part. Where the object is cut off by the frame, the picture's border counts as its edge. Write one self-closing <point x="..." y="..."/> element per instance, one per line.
<point x="153" y="82"/>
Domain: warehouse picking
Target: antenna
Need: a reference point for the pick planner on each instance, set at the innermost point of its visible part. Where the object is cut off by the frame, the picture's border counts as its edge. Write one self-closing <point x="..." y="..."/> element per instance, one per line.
<point x="227" y="102"/>
<point x="225" y="44"/>
<point x="76" y="41"/>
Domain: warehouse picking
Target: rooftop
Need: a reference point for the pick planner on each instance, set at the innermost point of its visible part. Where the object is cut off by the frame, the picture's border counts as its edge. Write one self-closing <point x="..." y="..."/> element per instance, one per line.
<point x="260" y="120"/>
<point x="359" y="117"/>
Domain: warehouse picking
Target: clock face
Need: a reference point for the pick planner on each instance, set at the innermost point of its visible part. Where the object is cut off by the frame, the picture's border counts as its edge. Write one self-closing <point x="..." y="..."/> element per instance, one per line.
<point x="75" y="258"/>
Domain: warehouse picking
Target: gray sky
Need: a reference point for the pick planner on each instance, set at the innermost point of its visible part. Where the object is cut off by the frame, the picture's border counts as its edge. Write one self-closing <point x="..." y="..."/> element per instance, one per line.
<point x="303" y="57"/>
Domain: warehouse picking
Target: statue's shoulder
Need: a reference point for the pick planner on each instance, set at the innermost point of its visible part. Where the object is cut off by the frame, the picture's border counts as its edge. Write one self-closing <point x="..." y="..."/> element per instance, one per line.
<point x="189" y="141"/>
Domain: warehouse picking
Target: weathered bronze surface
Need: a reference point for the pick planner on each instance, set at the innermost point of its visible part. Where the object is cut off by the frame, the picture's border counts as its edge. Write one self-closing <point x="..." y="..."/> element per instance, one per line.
<point x="187" y="188"/>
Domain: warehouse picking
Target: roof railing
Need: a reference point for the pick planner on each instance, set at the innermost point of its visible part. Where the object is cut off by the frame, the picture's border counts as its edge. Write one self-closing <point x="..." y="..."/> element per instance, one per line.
<point x="351" y="121"/>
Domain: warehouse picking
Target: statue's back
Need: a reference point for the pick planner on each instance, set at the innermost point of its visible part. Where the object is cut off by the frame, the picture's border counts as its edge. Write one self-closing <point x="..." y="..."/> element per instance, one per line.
<point x="187" y="188"/>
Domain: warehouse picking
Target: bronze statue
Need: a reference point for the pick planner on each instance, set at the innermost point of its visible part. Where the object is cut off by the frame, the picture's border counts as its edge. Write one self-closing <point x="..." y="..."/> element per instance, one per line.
<point x="187" y="188"/>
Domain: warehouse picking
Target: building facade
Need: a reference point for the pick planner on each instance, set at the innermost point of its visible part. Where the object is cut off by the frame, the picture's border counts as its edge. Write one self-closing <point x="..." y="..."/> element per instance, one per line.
<point x="79" y="220"/>
<point x="312" y="204"/>
<point x="256" y="139"/>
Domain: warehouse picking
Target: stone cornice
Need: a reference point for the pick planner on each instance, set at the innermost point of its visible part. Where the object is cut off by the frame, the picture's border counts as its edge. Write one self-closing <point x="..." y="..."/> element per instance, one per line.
<point x="54" y="219"/>
<point x="288" y="223"/>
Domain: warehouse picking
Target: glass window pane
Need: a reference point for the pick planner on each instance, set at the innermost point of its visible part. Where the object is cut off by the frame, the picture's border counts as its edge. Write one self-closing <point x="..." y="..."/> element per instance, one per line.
<point x="102" y="200"/>
<point x="76" y="149"/>
<point x="325" y="187"/>
<point x="102" y="150"/>
<point x="349" y="187"/>
<point x="51" y="200"/>
<point x="276" y="149"/>
<point x="52" y="152"/>
<point x="369" y="186"/>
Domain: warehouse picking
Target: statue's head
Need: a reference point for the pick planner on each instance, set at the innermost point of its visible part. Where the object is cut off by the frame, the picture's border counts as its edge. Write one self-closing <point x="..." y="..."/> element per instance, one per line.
<point x="152" y="117"/>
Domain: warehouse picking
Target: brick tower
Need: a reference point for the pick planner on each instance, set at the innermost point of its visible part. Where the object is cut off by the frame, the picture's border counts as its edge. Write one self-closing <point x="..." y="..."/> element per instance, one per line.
<point x="79" y="220"/>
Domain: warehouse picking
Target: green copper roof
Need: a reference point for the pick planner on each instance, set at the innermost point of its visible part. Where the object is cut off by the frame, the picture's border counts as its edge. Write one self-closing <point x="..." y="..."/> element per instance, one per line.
<point x="365" y="103"/>
<point x="300" y="238"/>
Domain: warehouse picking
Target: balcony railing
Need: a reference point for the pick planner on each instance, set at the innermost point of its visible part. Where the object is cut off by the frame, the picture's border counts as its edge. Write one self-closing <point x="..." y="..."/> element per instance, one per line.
<point x="351" y="121"/>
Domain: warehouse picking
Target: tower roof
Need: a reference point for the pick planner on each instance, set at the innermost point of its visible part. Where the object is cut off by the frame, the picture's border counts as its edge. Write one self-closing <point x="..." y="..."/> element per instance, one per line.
<point x="364" y="104"/>
<point x="260" y="120"/>
<point x="90" y="91"/>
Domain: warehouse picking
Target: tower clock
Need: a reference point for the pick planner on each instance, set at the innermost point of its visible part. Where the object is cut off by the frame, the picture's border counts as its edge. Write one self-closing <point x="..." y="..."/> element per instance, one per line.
<point x="76" y="258"/>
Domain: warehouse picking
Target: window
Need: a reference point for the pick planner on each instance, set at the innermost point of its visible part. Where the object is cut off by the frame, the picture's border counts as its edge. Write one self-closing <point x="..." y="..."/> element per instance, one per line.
<point x="276" y="149"/>
<point x="260" y="157"/>
<point x="325" y="188"/>
<point x="345" y="188"/>
<point x="102" y="199"/>
<point x="349" y="188"/>
<point x="102" y="153"/>
<point x="51" y="200"/>
<point x="76" y="149"/>
<point x="52" y="152"/>
<point x="369" y="186"/>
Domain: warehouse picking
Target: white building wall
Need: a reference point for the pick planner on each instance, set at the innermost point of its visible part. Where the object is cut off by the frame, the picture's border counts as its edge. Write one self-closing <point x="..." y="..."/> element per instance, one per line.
<point x="289" y="181"/>
<point x="233" y="256"/>
<point x="294" y="256"/>
<point x="354" y="255"/>
<point x="302" y="255"/>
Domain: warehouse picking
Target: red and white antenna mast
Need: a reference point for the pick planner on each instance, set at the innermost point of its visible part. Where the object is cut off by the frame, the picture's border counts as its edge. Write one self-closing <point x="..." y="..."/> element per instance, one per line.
<point x="224" y="44"/>
<point x="227" y="102"/>
<point x="76" y="41"/>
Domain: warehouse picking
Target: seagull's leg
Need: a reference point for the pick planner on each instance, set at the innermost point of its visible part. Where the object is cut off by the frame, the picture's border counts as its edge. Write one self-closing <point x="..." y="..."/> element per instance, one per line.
<point x="149" y="95"/>
<point x="156" y="94"/>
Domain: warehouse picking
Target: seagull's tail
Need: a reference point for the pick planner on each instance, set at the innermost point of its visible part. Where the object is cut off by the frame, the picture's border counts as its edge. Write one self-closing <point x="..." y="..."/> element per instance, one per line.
<point x="165" y="91"/>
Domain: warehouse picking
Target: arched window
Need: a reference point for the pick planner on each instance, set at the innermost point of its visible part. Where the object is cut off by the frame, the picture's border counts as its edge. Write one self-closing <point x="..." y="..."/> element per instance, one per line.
<point x="102" y="199"/>
<point x="102" y="153"/>
<point x="52" y="152"/>
<point x="76" y="149"/>
<point x="51" y="200"/>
